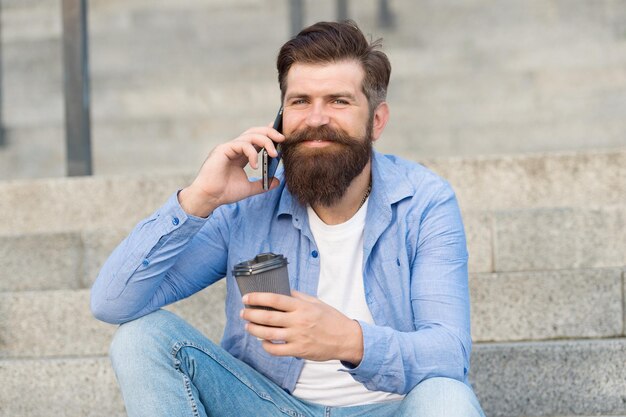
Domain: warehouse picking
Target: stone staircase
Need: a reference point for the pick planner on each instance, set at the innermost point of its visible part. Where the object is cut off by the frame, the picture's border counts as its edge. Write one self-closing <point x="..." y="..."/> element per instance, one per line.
<point x="547" y="261"/>
<point x="172" y="79"/>
<point x="546" y="230"/>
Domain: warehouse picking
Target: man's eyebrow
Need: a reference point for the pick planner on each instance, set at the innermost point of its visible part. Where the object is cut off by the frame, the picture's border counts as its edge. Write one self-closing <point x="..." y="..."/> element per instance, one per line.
<point x="341" y="94"/>
<point x="291" y="96"/>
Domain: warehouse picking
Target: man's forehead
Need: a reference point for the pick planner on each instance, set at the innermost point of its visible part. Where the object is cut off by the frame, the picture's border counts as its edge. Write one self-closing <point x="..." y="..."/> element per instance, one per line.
<point x="342" y="75"/>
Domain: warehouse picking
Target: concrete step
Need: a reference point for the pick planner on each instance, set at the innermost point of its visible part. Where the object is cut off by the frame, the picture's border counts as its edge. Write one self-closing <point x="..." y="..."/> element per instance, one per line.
<point x="543" y="305"/>
<point x="502" y="139"/>
<point x="49" y="324"/>
<point x="585" y="181"/>
<point x="570" y="378"/>
<point x="508" y="25"/>
<point x="505" y="307"/>
<point x="119" y="80"/>
<point x="552" y="238"/>
<point x="139" y="147"/>
<point x="503" y="241"/>
<point x="598" y="20"/>
<point x="79" y="203"/>
<point x="33" y="81"/>
<point x="64" y="387"/>
<point x="561" y="378"/>
<point x="183" y="114"/>
<point x="567" y="179"/>
<point x="30" y="20"/>
<point x="551" y="80"/>
<point x="178" y="143"/>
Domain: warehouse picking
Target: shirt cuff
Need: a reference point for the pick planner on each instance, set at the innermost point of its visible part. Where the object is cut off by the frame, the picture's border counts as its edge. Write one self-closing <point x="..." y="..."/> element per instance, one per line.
<point x="373" y="355"/>
<point x="176" y="218"/>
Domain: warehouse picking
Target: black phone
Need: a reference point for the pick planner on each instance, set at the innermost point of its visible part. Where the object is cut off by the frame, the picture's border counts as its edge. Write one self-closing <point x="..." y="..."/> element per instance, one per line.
<point x="270" y="164"/>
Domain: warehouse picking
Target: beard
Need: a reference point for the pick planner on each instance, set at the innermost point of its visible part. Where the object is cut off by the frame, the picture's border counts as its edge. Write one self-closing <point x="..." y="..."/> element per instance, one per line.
<point x="321" y="176"/>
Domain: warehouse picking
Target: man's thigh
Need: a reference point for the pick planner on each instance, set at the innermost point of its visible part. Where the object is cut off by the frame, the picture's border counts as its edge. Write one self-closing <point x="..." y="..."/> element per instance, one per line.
<point x="167" y="368"/>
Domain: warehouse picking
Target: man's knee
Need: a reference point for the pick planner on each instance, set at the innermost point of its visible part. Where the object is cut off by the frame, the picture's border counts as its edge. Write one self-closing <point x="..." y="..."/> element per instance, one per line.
<point x="141" y="340"/>
<point x="441" y="397"/>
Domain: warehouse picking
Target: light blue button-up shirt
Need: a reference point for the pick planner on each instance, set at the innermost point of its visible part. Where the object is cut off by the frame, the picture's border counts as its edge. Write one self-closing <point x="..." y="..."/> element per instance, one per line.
<point x="414" y="273"/>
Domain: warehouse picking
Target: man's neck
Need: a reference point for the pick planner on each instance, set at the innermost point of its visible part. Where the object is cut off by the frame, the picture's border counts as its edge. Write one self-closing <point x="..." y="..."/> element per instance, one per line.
<point x="351" y="201"/>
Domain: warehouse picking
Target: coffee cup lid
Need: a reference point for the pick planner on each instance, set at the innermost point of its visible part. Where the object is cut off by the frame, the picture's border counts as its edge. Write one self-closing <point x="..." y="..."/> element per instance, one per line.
<point x="260" y="263"/>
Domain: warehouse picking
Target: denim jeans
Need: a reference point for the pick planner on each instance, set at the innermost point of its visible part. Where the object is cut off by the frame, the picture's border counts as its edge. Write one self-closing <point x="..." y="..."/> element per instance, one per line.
<point x="167" y="368"/>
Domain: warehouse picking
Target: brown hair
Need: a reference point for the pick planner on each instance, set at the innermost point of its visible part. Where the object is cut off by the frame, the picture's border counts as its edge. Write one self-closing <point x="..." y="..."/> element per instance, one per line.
<point x="327" y="42"/>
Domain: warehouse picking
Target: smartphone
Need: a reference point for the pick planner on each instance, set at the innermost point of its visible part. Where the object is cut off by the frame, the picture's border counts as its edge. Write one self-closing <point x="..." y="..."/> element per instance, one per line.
<point x="269" y="163"/>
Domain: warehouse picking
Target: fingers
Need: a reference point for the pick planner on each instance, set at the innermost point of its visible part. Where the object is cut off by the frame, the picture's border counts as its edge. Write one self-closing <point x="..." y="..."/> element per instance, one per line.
<point x="244" y="149"/>
<point x="267" y="299"/>
<point x="237" y="149"/>
<point x="268" y="131"/>
<point x="265" y="317"/>
<point x="263" y="137"/>
<point x="266" y="324"/>
<point x="267" y="333"/>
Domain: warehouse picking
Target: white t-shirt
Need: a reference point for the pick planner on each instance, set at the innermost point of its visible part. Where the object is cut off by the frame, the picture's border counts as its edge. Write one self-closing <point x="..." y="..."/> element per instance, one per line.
<point x="340" y="285"/>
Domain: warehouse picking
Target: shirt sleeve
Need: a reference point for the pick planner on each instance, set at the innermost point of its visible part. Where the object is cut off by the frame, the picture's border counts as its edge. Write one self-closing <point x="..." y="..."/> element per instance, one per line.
<point x="440" y="345"/>
<point x="167" y="257"/>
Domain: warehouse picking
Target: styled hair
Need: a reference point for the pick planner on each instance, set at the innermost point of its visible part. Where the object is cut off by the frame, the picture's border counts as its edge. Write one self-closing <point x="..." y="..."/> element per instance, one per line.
<point x="328" y="42"/>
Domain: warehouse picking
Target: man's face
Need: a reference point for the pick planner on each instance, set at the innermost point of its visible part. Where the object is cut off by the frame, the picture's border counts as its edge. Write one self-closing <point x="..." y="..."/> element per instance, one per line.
<point x="328" y="129"/>
<point x="326" y="94"/>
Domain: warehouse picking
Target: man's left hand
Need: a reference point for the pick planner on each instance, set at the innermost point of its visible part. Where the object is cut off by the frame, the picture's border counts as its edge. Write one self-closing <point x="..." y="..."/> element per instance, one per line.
<point x="309" y="328"/>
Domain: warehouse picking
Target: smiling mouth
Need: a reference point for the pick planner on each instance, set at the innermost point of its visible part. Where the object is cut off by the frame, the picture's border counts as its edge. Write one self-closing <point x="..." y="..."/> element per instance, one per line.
<point x="315" y="143"/>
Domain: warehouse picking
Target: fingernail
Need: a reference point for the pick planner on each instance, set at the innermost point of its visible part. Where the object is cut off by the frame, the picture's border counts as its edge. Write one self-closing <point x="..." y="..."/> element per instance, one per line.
<point x="245" y="299"/>
<point x="241" y="313"/>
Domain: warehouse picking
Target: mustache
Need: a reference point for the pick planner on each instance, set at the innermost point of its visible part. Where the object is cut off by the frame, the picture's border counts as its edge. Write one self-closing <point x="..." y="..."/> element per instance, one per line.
<point x="319" y="133"/>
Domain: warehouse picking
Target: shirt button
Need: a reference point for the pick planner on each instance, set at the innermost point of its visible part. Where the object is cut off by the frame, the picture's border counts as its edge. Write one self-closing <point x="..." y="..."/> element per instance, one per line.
<point x="314" y="254"/>
<point x="145" y="262"/>
<point x="175" y="221"/>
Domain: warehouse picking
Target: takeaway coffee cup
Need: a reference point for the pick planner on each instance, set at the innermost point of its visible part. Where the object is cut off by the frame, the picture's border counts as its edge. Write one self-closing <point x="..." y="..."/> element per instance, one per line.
<point x="266" y="272"/>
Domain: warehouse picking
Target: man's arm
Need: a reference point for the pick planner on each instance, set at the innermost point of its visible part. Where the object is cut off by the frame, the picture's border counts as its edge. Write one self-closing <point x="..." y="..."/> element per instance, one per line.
<point x="440" y="345"/>
<point x="177" y="252"/>
<point x="164" y="259"/>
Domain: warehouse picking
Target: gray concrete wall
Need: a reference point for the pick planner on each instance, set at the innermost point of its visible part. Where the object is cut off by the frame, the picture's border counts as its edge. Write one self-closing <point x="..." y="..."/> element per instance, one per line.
<point x="172" y="80"/>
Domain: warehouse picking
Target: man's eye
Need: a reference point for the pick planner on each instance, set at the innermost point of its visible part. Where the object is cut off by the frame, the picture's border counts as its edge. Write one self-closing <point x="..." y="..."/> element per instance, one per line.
<point x="298" y="101"/>
<point x="340" y="101"/>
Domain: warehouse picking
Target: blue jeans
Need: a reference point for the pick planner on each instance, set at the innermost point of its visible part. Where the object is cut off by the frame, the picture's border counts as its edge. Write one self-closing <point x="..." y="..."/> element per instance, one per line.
<point x="166" y="368"/>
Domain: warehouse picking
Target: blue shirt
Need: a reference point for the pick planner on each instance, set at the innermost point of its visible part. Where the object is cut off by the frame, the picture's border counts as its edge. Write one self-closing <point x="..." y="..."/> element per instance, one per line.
<point x="414" y="272"/>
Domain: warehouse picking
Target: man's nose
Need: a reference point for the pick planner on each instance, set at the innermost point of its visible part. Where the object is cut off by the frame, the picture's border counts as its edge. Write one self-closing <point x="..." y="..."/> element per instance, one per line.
<point x="317" y="116"/>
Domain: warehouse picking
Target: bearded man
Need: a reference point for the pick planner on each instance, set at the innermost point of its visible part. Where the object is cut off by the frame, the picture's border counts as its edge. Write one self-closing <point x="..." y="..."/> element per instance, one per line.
<point x="378" y="320"/>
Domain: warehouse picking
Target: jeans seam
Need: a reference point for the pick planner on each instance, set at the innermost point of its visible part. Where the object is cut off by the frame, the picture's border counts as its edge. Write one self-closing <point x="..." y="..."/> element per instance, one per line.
<point x="192" y="401"/>
<point x="263" y="395"/>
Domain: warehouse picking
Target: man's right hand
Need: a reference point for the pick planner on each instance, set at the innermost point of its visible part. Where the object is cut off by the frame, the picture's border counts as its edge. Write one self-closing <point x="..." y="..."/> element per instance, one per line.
<point x="222" y="179"/>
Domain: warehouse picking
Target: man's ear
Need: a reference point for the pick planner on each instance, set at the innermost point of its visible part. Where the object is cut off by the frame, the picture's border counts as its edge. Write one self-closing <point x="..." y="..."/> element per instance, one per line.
<point x="380" y="119"/>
